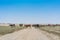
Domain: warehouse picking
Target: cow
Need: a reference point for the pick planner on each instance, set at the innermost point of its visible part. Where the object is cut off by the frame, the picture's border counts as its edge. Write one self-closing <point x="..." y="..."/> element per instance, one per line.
<point x="49" y="25"/>
<point x="52" y="25"/>
<point x="20" y="25"/>
<point x="35" y="25"/>
<point x="12" y="25"/>
<point x="27" y="25"/>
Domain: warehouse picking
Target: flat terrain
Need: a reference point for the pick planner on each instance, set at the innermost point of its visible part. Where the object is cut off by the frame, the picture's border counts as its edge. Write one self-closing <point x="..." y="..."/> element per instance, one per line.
<point x="30" y="34"/>
<point x="51" y="29"/>
<point x="8" y="29"/>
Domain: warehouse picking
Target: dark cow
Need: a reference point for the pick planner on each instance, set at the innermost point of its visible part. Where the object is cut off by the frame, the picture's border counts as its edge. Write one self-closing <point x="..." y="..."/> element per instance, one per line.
<point x="20" y="25"/>
<point x="12" y="25"/>
<point x="35" y="25"/>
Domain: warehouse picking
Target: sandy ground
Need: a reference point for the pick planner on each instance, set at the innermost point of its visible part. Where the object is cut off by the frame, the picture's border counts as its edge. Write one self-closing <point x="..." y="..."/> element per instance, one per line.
<point x="30" y="34"/>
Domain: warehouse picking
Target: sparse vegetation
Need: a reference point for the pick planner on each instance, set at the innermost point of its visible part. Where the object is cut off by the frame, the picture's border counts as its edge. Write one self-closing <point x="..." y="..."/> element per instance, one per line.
<point x="9" y="29"/>
<point x="51" y="29"/>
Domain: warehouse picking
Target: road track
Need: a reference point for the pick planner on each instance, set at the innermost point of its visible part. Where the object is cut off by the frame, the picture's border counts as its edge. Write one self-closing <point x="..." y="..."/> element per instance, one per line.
<point x="29" y="34"/>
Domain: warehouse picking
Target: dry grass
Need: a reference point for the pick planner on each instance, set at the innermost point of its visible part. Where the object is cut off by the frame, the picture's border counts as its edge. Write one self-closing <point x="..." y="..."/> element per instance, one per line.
<point x="8" y="29"/>
<point x="51" y="29"/>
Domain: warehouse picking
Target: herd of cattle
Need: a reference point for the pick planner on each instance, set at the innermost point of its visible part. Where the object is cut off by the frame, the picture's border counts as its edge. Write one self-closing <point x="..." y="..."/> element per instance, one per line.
<point x="28" y="25"/>
<point x="35" y="25"/>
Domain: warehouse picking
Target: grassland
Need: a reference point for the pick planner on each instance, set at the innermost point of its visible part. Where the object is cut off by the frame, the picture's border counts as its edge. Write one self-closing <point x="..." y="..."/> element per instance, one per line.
<point x="51" y="29"/>
<point x="9" y="29"/>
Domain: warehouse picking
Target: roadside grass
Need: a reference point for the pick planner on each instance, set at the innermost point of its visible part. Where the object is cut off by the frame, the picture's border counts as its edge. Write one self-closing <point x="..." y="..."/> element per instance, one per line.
<point x="55" y="30"/>
<point x="8" y="29"/>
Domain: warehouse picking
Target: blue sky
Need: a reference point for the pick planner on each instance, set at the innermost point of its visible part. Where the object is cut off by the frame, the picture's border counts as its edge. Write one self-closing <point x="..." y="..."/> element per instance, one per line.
<point x="30" y="11"/>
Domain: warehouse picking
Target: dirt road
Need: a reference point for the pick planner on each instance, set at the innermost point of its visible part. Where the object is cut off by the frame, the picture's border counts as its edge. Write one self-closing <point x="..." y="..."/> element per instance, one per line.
<point x="29" y="34"/>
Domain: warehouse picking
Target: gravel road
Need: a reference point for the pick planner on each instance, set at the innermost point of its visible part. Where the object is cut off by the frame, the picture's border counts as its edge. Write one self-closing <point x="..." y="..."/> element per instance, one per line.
<point x="29" y="34"/>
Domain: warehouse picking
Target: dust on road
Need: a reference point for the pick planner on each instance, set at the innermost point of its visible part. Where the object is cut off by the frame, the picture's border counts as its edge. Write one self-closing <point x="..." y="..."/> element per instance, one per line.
<point x="27" y="34"/>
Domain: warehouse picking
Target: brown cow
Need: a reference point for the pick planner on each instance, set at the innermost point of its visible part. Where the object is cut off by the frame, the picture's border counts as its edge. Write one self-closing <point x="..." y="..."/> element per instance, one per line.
<point x="50" y="25"/>
<point x="27" y="25"/>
